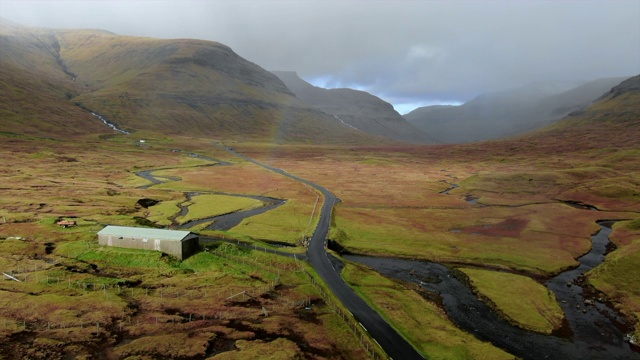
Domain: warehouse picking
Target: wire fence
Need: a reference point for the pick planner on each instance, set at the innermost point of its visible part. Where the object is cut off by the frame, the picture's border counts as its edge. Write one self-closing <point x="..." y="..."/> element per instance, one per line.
<point x="373" y="350"/>
<point x="32" y="273"/>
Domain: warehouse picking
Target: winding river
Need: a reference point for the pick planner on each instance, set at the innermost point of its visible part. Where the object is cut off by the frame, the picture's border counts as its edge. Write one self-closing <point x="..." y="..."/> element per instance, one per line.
<point x="219" y="222"/>
<point x="230" y="220"/>
<point x="596" y="331"/>
<point x="593" y="330"/>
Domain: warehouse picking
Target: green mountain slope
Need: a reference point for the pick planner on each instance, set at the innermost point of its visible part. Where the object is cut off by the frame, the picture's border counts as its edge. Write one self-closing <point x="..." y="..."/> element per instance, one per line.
<point x="142" y="84"/>
<point x="508" y="113"/>
<point x="611" y="121"/>
<point x="35" y="90"/>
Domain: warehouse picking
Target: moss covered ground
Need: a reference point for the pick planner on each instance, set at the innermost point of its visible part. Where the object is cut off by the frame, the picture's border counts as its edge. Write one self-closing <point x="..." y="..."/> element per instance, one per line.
<point x="522" y="300"/>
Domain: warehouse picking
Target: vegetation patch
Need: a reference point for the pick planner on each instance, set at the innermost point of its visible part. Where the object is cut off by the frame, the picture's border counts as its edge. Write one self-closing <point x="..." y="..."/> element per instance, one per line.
<point x="522" y="300"/>
<point x="210" y="205"/>
<point x="619" y="276"/>
<point x="174" y="346"/>
<point x="136" y="303"/>
<point x="280" y="348"/>
<point x="540" y="238"/>
<point x="422" y="322"/>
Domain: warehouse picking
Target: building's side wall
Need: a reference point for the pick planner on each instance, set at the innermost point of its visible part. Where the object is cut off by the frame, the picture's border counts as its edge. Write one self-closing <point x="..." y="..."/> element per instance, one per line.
<point x="172" y="248"/>
<point x="190" y="246"/>
<point x="167" y="246"/>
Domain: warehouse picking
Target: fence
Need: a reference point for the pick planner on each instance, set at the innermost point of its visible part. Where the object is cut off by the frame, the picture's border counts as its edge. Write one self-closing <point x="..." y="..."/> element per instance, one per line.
<point x="211" y="293"/>
<point x="373" y="350"/>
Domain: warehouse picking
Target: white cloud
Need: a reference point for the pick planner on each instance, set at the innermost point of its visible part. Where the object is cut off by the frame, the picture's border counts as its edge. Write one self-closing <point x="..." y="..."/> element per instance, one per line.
<point x="411" y="50"/>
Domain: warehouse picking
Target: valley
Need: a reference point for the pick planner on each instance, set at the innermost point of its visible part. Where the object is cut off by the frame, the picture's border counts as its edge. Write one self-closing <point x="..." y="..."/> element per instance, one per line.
<point x="330" y="227"/>
<point x="374" y="215"/>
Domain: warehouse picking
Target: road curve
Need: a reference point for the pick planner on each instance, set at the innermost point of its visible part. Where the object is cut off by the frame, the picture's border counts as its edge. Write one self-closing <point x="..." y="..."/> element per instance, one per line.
<point x="389" y="339"/>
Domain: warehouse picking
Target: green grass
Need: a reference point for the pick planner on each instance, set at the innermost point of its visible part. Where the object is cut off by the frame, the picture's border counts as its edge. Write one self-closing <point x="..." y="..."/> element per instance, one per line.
<point x="160" y="213"/>
<point x="423" y="323"/>
<point x="287" y="223"/>
<point x="546" y="243"/>
<point x="521" y="299"/>
<point x="112" y="256"/>
<point x="209" y="205"/>
<point x="619" y="275"/>
<point x="634" y="224"/>
<point x="280" y="348"/>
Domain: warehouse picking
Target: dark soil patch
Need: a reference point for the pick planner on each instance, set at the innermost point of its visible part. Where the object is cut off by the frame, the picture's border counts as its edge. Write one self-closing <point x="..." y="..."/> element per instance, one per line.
<point x="287" y="333"/>
<point x="337" y="247"/>
<point x="507" y="228"/>
<point x="219" y="345"/>
<point x="145" y="222"/>
<point x="49" y="247"/>
<point x="146" y="203"/>
<point x="309" y="316"/>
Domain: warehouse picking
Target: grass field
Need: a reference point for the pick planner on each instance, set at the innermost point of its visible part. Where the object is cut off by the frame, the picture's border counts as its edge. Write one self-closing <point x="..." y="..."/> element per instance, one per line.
<point x="422" y="322"/>
<point x="209" y="205"/>
<point x="520" y="299"/>
<point x="392" y="206"/>
<point x="137" y="303"/>
<point x="391" y="202"/>
<point x="127" y="302"/>
<point x="60" y="162"/>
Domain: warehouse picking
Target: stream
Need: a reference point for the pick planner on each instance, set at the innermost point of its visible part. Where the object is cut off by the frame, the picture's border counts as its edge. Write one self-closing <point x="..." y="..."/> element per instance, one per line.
<point x="220" y="222"/>
<point x="230" y="220"/>
<point x="594" y="334"/>
<point x="592" y="330"/>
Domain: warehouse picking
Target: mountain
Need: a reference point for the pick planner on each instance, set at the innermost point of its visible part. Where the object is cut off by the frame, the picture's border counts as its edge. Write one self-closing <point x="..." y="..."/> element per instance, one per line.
<point x="612" y="120"/>
<point x="357" y="109"/>
<point x="53" y="79"/>
<point x="34" y="89"/>
<point x="507" y="113"/>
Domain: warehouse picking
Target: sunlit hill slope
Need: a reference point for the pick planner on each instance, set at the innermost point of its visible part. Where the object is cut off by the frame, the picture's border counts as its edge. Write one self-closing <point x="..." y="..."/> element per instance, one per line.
<point x="51" y="77"/>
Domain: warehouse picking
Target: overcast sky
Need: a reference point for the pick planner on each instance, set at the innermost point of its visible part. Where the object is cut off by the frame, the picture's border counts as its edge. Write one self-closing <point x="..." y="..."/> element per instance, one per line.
<point x="410" y="53"/>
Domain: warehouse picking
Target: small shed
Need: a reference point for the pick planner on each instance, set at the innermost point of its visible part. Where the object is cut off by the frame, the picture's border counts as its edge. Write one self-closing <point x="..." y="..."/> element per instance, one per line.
<point x="180" y="244"/>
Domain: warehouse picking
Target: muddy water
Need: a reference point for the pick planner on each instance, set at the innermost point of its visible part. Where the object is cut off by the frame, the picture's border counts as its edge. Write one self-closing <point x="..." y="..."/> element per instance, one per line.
<point x="594" y="334"/>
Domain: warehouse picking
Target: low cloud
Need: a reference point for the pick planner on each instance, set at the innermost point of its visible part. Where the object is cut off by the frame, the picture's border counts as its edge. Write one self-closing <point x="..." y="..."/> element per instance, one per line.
<point x="408" y="51"/>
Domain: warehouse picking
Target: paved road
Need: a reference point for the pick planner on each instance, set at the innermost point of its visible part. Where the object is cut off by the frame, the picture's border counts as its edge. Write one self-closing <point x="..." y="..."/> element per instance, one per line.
<point x="391" y="341"/>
